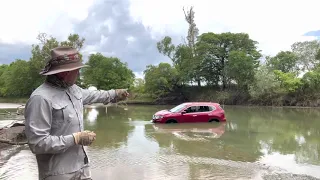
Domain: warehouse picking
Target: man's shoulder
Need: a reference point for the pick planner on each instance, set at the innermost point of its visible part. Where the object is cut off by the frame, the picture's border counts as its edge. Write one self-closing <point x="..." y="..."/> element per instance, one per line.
<point x="42" y="90"/>
<point x="76" y="89"/>
<point x="46" y="91"/>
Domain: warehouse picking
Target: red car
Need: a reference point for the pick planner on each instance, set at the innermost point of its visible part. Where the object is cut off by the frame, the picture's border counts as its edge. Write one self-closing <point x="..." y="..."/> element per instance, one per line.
<point x="191" y="112"/>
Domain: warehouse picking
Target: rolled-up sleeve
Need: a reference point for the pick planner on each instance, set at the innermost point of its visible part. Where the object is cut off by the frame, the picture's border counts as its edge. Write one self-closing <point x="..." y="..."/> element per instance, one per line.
<point x="38" y="118"/>
<point x="98" y="96"/>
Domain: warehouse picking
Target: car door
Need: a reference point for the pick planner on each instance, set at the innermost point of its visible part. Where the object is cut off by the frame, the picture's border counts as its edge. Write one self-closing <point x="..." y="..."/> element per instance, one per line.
<point x="203" y="114"/>
<point x="190" y="115"/>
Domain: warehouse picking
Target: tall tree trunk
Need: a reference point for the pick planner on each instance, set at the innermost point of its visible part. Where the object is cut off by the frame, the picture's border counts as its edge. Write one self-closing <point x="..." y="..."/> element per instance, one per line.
<point x="193" y="32"/>
<point x="224" y="82"/>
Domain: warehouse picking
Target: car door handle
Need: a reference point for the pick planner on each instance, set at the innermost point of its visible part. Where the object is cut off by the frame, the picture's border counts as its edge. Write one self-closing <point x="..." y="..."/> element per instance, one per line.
<point x="194" y="115"/>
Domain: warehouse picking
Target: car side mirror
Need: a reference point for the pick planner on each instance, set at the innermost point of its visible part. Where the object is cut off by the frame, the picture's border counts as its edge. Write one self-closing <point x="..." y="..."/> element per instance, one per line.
<point x="183" y="112"/>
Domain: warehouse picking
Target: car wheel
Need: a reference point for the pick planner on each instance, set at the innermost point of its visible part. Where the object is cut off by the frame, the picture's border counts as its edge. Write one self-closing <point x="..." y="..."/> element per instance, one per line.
<point x="214" y="120"/>
<point x="171" y="121"/>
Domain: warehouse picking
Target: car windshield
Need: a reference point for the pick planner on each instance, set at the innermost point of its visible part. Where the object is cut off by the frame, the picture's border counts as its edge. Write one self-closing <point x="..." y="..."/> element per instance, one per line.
<point x="177" y="108"/>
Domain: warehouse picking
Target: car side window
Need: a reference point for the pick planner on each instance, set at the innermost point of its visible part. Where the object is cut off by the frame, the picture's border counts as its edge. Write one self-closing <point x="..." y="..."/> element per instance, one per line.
<point x="203" y="109"/>
<point x="192" y="109"/>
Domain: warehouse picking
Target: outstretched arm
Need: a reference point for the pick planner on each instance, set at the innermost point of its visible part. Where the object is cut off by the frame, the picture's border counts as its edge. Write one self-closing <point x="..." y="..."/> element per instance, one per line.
<point x="103" y="96"/>
<point x="98" y="96"/>
<point x="38" y="119"/>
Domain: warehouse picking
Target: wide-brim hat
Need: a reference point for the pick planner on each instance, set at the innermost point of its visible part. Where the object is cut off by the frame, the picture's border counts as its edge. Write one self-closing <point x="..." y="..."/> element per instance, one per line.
<point x="63" y="59"/>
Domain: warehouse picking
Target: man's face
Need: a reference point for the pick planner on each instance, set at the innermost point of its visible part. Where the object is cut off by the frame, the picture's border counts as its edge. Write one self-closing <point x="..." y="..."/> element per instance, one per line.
<point x="70" y="77"/>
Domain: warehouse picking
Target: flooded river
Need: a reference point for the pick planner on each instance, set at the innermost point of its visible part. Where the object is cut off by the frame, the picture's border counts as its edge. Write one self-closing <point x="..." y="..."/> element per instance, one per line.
<point x="255" y="143"/>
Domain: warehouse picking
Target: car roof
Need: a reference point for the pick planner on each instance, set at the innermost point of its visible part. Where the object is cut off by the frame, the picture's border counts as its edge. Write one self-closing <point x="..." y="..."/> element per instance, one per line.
<point x="201" y="103"/>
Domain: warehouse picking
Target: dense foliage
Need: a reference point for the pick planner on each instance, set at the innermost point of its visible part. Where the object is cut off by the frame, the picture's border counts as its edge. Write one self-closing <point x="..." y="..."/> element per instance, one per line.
<point x="107" y="73"/>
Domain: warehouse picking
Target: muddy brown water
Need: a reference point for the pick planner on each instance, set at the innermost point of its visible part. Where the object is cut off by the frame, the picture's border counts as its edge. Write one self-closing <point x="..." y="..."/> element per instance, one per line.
<point x="255" y="143"/>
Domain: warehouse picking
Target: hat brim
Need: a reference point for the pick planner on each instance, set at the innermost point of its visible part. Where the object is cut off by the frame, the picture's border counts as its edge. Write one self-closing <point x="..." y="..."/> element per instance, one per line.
<point x="67" y="67"/>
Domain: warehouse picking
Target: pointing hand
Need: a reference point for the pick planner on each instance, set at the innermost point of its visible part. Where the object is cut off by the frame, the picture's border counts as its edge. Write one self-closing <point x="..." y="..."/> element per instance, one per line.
<point x="122" y="94"/>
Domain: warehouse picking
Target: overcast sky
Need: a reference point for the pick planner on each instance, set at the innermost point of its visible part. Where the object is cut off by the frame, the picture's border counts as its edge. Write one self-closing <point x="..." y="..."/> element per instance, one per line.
<point x="129" y="29"/>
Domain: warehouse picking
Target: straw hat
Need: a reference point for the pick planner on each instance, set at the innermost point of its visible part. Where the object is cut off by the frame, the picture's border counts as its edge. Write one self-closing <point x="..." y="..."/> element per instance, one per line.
<point x="63" y="59"/>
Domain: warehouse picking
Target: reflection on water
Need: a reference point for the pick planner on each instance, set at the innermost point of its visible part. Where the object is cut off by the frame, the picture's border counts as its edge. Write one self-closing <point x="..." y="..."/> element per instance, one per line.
<point x="92" y="115"/>
<point x="192" y="132"/>
<point x="252" y="143"/>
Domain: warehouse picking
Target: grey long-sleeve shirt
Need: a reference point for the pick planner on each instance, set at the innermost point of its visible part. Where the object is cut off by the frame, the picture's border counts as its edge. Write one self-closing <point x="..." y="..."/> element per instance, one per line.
<point x="52" y="114"/>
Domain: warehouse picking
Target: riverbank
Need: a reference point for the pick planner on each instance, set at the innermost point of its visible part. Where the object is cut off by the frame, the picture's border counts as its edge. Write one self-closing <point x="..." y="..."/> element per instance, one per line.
<point x="14" y="102"/>
<point x="151" y="103"/>
<point x="197" y="94"/>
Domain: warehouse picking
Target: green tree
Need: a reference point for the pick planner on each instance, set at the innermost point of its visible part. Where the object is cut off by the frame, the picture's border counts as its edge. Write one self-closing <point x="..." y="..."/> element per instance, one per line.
<point x="288" y="81"/>
<point x="266" y="84"/>
<point x="187" y="65"/>
<point x="184" y="56"/>
<point x="107" y="73"/>
<point x="318" y="55"/>
<point x="139" y="85"/>
<point x="215" y="49"/>
<point x="285" y="61"/>
<point x="311" y="82"/>
<point x="306" y="52"/>
<point x="240" y="68"/>
<point x="160" y="80"/>
<point x="166" y="48"/>
<point x="3" y="88"/>
<point x="74" y="40"/>
<point x="193" y="31"/>
<point x="16" y="79"/>
<point x="191" y="55"/>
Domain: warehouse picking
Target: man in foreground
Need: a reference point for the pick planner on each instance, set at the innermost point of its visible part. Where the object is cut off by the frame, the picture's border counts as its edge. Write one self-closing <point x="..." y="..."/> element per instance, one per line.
<point x="54" y="118"/>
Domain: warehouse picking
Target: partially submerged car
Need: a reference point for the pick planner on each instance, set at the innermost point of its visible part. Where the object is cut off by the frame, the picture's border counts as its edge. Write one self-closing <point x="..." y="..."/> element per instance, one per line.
<point x="191" y="112"/>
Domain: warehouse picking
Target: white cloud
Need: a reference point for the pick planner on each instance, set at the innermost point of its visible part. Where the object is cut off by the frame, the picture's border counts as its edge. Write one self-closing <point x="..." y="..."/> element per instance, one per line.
<point x="21" y="21"/>
<point x="274" y="24"/>
<point x="139" y="74"/>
